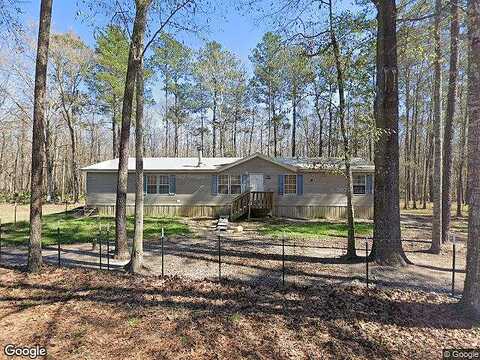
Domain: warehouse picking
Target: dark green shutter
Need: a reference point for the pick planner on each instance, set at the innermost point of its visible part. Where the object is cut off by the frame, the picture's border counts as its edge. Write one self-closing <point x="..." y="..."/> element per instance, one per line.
<point x="299" y="184"/>
<point x="173" y="184"/>
<point x="214" y="184"/>
<point x="281" y="182"/>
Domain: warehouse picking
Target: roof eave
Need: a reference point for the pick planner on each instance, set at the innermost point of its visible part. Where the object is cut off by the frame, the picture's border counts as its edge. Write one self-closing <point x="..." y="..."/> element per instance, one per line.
<point x="261" y="156"/>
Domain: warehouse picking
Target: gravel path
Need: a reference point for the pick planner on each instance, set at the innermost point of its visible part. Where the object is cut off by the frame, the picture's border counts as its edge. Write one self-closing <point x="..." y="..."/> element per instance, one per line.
<point x="259" y="261"/>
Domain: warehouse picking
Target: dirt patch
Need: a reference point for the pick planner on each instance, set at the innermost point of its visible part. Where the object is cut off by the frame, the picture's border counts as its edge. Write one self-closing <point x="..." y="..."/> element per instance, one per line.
<point x="89" y="314"/>
<point x="7" y="211"/>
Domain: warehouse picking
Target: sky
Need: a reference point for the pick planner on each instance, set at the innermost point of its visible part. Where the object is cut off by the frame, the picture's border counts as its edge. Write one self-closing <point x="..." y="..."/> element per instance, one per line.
<point x="236" y="32"/>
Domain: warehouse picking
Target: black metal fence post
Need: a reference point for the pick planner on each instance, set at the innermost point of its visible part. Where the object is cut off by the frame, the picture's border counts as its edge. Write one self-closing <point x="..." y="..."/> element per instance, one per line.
<point x="366" y="261"/>
<point x="162" y="240"/>
<point x="453" y="264"/>
<point x="219" y="261"/>
<point x="15" y="215"/>
<point x="283" y="261"/>
<point x="100" y="247"/>
<point x="58" y="245"/>
<point x="108" y="248"/>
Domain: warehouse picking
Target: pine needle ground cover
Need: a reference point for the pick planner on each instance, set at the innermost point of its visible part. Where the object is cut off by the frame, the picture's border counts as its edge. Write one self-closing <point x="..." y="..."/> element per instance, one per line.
<point x="89" y="314"/>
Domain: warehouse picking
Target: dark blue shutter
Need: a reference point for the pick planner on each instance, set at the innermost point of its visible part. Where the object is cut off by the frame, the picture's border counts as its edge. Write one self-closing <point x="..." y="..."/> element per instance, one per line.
<point x="281" y="181"/>
<point x="299" y="184"/>
<point x="144" y="184"/>
<point x="244" y="183"/>
<point x="173" y="184"/>
<point x="369" y="184"/>
<point x="214" y="184"/>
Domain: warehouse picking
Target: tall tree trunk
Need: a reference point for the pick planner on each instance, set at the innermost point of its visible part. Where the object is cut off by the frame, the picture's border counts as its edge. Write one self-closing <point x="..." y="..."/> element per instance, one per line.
<point x="114" y="133"/>
<point x="269" y="136"/>
<point x="235" y="122"/>
<point x="320" y="122"/>
<point x="202" y="132"/>
<point x="294" y="126"/>
<point x="437" y="126"/>
<point x="134" y="55"/>
<point x="275" y="128"/>
<point x="2" y="156"/>
<point x="73" y="159"/>
<point x="351" y="251"/>
<point x="407" y="140"/>
<point x="175" y="137"/>
<point x="166" y="117"/>
<point x="413" y="145"/>
<point x="387" y="243"/>
<point x="447" y="140"/>
<point x="136" y="261"/>
<point x="214" y="126"/>
<point x="461" y="165"/>
<point x="49" y="162"/>
<point x="252" y="128"/>
<point x="330" y="122"/>
<point x="428" y="156"/>
<point x="471" y="292"/>
<point x="175" y="124"/>
<point x="35" y="245"/>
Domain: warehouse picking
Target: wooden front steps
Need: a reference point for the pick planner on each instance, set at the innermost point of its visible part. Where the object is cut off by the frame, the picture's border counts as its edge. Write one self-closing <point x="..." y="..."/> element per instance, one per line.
<point x="250" y="203"/>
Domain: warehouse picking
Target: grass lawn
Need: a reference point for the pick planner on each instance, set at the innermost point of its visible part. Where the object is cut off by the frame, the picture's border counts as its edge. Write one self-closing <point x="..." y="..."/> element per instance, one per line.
<point x="74" y="229"/>
<point x="312" y="229"/>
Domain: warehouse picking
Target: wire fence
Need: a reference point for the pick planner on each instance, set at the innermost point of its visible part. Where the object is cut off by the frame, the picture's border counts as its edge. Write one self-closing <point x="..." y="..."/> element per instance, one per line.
<point x="281" y="261"/>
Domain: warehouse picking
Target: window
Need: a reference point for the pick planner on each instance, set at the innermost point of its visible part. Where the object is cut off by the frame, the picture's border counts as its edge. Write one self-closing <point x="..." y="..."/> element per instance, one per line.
<point x="151" y="184"/>
<point x="235" y="184"/>
<point x="290" y="184"/>
<point x="157" y="184"/>
<point x="359" y="184"/>
<point x="223" y="184"/>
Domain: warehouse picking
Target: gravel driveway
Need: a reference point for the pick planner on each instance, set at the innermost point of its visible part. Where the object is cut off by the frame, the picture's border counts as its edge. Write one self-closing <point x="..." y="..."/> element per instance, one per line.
<point x="259" y="260"/>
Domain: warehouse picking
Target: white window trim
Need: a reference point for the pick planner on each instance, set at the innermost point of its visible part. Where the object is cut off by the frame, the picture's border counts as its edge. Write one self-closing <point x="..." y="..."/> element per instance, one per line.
<point x="358" y="184"/>
<point x="285" y="185"/>
<point x="218" y="185"/>
<point x="157" y="185"/>
<point x="229" y="185"/>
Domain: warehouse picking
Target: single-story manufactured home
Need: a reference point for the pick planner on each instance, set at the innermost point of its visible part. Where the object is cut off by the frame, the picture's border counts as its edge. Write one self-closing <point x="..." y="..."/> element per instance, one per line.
<point x="210" y="187"/>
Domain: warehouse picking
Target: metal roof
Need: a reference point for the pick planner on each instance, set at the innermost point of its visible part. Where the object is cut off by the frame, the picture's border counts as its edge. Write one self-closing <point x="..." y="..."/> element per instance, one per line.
<point x="358" y="164"/>
<point x="218" y="163"/>
<point x="166" y="164"/>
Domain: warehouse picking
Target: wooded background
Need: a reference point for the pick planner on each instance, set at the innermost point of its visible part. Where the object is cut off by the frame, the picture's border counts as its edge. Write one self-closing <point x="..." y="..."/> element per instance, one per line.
<point x="287" y="105"/>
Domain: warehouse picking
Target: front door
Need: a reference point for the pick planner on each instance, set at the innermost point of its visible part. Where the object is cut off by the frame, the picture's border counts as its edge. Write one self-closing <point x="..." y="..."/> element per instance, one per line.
<point x="256" y="182"/>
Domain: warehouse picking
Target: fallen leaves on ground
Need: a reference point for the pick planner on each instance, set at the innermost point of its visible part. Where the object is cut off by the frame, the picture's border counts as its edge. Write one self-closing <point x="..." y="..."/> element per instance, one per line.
<point x="90" y="314"/>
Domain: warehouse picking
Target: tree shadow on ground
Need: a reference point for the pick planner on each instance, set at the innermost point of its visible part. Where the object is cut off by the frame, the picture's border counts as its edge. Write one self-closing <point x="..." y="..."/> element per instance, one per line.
<point x="323" y="302"/>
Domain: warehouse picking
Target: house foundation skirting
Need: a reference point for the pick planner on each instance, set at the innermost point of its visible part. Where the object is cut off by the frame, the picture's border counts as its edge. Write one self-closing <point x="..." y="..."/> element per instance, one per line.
<point x="214" y="211"/>
<point x="321" y="212"/>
